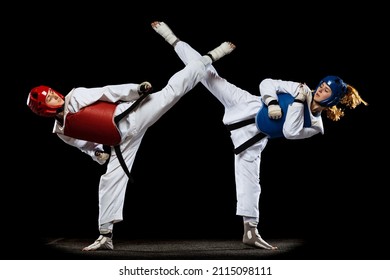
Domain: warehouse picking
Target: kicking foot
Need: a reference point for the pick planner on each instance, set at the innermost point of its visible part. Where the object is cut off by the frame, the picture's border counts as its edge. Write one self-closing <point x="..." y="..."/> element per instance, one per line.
<point x="163" y="29"/>
<point x="253" y="238"/>
<point x="102" y="243"/>
<point x="219" y="52"/>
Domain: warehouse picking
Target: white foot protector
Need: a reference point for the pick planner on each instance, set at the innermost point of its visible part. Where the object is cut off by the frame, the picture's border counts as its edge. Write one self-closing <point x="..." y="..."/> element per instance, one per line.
<point x="252" y="238"/>
<point x="102" y="243"/>
<point x="163" y="29"/>
<point x="224" y="49"/>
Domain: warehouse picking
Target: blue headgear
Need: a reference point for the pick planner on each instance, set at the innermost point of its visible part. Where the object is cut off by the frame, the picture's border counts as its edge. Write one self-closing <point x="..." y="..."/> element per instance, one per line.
<point x="338" y="87"/>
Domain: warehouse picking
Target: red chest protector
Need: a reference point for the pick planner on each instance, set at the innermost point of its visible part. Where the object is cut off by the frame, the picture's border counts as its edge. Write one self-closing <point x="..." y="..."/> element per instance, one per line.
<point x="94" y="123"/>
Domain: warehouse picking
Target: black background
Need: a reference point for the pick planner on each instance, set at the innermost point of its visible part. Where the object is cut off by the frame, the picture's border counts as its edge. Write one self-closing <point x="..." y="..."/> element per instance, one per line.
<point x="326" y="189"/>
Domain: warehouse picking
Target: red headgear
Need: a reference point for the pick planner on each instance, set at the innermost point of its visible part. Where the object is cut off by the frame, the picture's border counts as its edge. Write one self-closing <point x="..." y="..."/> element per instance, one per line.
<point x="37" y="101"/>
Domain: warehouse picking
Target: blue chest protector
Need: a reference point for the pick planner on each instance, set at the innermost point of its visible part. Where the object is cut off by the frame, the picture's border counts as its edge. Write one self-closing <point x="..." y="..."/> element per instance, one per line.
<point x="265" y="125"/>
<point x="274" y="128"/>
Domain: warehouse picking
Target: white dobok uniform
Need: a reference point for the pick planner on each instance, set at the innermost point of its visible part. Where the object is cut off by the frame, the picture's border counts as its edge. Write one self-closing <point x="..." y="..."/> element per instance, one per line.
<point x="113" y="183"/>
<point x="241" y="105"/>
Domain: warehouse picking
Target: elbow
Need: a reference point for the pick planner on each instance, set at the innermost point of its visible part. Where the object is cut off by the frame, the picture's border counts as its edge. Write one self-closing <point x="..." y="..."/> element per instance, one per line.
<point x="290" y="134"/>
<point x="264" y="83"/>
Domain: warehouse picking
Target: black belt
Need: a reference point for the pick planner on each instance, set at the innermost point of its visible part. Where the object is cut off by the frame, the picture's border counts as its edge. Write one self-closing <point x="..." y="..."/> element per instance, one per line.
<point x="117" y="147"/>
<point x="249" y="142"/>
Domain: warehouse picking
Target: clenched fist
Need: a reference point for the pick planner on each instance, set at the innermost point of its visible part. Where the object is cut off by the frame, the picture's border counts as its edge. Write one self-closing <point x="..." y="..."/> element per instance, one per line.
<point x="102" y="156"/>
<point x="274" y="110"/>
<point x="303" y="93"/>
<point x="145" y="87"/>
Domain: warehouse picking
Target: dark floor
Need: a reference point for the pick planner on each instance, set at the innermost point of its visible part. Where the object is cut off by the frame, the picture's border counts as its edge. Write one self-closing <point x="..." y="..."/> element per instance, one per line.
<point x="172" y="249"/>
<point x="70" y="248"/>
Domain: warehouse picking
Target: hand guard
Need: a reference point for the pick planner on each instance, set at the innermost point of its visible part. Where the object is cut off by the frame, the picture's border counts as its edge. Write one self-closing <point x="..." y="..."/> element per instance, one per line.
<point x="303" y="93"/>
<point x="145" y="88"/>
<point x="274" y="110"/>
<point x="101" y="156"/>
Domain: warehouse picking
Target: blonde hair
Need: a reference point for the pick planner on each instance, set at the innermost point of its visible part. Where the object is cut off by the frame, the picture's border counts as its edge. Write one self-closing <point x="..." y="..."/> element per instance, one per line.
<point x="351" y="100"/>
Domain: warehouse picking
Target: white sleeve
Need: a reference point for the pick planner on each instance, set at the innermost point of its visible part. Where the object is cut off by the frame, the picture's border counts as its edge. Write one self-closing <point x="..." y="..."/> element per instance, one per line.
<point x="82" y="97"/>
<point x="293" y="126"/>
<point x="123" y="92"/>
<point x="270" y="88"/>
<point x="85" y="146"/>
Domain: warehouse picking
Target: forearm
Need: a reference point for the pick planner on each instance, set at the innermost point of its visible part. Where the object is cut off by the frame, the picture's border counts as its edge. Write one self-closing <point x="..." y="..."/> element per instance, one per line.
<point x="293" y="127"/>
<point x="124" y="92"/>
<point x="270" y="88"/>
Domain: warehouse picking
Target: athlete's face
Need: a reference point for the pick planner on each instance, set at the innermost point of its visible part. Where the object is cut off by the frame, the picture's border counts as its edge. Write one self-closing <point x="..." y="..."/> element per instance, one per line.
<point x="323" y="92"/>
<point x="53" y="99"/>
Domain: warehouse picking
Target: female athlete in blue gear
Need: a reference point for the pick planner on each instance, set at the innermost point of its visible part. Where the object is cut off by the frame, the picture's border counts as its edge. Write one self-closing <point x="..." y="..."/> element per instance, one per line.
<point x="283" y="109"/>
